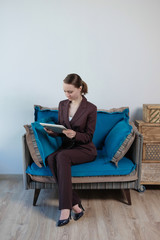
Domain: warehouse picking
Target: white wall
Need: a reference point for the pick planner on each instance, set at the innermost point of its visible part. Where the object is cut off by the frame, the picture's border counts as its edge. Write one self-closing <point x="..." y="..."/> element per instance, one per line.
<point x="112" y="44"/>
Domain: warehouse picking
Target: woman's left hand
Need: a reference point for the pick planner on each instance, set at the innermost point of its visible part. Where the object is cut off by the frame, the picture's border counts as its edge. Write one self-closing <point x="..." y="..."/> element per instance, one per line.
<point x="69" y="133"/>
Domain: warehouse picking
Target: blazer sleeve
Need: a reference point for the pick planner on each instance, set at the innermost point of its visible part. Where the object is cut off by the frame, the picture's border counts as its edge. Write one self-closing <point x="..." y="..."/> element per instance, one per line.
<point x="87" y="135"/>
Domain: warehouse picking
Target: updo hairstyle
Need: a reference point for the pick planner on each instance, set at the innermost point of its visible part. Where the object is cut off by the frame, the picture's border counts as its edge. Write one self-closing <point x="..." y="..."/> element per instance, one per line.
<point x="77" y="82"/>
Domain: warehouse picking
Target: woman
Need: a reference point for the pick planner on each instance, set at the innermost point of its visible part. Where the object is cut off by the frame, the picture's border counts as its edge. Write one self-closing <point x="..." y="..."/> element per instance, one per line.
<point x="79" y="117"/>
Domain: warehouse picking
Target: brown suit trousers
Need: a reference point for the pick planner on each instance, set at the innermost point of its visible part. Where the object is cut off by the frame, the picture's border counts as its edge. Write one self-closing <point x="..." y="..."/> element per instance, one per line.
<point x="60" y="163"/>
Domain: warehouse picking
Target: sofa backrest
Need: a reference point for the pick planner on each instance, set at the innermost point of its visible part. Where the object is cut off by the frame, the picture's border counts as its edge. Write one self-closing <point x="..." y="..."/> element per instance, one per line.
<point x="42" y="114"/>
<point x="106" y="120"/>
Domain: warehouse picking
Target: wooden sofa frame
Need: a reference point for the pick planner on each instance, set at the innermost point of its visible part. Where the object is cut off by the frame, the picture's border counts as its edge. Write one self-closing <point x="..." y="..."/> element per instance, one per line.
<point x="125" y="183"/>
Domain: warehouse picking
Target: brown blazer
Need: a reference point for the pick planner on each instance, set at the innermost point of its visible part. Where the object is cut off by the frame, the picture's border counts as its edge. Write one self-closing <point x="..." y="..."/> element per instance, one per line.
<point x="83" y="123"/>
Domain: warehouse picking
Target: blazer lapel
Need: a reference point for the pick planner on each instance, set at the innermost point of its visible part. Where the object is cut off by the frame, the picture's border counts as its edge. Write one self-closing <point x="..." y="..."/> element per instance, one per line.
<point x="80" y="111"/>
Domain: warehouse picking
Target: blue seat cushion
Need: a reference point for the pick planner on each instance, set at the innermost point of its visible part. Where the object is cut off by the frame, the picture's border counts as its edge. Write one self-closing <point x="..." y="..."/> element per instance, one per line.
<point x="100" y="167"/>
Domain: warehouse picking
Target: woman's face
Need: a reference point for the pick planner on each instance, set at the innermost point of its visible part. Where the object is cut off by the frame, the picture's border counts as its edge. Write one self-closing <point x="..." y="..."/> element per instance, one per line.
<point x="71" y="92"/>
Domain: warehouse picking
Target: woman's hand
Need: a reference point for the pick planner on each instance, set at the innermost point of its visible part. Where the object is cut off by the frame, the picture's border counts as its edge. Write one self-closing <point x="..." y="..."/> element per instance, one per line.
<point x="69" y="133"/>
<point x="50" y="132"/>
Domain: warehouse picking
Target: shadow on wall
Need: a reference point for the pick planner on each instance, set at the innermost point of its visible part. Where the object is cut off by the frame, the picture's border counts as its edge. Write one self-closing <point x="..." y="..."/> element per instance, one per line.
<point x="137" y="114"/>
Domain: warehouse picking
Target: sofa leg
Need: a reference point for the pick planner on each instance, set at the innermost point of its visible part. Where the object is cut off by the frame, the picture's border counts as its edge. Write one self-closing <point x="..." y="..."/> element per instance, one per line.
<point x="126" y="193"/>
<point x="36" y="194"/>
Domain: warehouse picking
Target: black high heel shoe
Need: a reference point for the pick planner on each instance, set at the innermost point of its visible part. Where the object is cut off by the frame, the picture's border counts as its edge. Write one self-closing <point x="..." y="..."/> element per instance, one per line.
<point x="79" y="215"/>
<point x="63" y="222"/>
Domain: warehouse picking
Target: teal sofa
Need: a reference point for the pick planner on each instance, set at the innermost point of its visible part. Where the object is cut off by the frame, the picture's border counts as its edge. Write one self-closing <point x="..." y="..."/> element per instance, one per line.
<point x="118" y="162"/>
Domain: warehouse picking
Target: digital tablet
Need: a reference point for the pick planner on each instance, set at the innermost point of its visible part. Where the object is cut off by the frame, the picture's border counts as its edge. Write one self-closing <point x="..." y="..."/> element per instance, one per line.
<point x="54" y="127"/>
